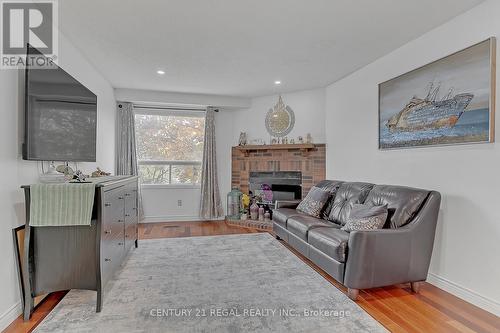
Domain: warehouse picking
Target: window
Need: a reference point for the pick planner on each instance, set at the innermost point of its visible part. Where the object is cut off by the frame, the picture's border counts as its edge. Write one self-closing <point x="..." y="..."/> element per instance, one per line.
<point x="170" y="146"/>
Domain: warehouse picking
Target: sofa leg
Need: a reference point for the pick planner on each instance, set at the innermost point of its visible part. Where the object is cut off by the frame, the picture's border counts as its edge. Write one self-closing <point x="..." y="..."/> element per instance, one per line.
<point x="352" y="293"/>
<point x="415" y="286"/>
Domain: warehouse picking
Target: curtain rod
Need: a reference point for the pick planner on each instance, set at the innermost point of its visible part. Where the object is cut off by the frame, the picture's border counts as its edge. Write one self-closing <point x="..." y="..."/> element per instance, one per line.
<point x="168" y="108"/>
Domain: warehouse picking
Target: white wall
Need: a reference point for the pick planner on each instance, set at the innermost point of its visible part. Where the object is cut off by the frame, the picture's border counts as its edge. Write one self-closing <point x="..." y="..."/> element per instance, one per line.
<point x="308" y="107"/>
<point x="467" y="245"/>
<point x="160" y="203"/>
<point x="15" y="172"/>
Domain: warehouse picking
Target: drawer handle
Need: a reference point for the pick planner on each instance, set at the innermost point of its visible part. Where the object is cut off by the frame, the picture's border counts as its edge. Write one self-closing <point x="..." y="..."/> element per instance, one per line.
<point x="133" y="208"/>
<point x="120" y="198"/>
<point x="127" y="215"/>
<point x="120" y="220"/>
<point x="107" y="204"/>
<point x="107" y="231"/>
<point x="107" y="259"/>
<point x="127" y="194"/>
<point x="120" y="243"/>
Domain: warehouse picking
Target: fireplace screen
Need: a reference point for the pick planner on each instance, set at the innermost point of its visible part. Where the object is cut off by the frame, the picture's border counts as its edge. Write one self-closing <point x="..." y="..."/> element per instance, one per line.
<point x="276" y="185"/>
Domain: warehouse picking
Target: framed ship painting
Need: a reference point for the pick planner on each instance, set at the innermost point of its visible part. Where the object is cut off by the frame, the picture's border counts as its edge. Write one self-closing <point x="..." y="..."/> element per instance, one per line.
<point x="449" y="101"/>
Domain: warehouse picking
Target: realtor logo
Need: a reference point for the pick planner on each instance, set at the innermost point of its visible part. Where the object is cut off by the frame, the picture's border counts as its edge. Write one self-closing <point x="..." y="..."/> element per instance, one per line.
<point x="28" y="22"/>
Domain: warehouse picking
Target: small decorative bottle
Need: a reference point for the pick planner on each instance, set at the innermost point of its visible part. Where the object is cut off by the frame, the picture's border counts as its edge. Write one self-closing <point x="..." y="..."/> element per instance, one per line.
<point x="267" y="217"/>
<point x="261" y="214"/>
<point x="254" y="211"/>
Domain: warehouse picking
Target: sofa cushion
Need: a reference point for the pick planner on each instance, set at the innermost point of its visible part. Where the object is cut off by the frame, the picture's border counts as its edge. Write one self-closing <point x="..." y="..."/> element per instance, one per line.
<point x="281" y="215"/>
<point x="314" y="202"/>
<point x="366" y="217"/>
<point x="403" y="203"/>
<point x="300" y="225"/>
<point x="348" y="194"/>
<point x="330" y="241"/>
<point x="331" y="186"/>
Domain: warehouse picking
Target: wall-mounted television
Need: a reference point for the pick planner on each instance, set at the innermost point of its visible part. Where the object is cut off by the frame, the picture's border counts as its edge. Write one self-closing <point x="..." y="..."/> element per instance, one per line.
<point x="60" y="116"/>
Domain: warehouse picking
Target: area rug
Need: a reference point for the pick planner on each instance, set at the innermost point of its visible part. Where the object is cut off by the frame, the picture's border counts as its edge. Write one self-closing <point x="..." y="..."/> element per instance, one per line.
<point x="231" y="283"/>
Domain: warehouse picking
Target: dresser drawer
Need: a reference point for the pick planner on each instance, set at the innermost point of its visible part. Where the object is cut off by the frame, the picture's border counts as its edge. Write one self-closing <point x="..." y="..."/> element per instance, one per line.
<point x="112" y="250"/>
<point x="114" y="207"/>
<point x="131" y="201"/>
<point x="131" y="210"/>
<point x="113" y="230"/>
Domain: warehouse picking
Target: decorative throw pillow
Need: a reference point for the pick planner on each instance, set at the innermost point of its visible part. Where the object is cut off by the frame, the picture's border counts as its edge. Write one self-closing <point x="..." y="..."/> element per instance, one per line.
<point x="314" y="202"/>
<point x="366" y="217"/>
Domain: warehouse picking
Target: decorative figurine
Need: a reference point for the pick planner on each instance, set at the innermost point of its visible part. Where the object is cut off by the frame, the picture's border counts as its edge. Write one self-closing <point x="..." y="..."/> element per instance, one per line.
<point x="292" y="141"/>
<point x="66" y="170"/>
<point x="309" y="138"/>
<point x="300" y="140"/>
<point x="99" y="173"/>
<point x="79" y="176"/>
<point x="243" y="139"/>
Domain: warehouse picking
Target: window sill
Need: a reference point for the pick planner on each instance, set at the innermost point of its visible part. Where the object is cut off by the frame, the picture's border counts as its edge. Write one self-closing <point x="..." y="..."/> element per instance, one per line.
<point x="165" y="186"/>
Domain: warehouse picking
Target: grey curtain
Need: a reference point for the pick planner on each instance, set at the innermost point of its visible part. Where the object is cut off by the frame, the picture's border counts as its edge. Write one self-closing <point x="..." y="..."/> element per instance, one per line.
<point x="210" y="205"/>
<point x="126" y="156"/>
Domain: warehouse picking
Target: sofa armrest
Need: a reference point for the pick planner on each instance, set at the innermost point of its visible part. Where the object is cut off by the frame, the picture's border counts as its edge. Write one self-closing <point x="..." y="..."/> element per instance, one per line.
<point x="389" y="256"/>
<point x="286" y="204"/>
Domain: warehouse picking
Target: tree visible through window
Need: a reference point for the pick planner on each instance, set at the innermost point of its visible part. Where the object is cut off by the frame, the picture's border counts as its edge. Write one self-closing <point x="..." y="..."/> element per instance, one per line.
<point x="170" y="146"/>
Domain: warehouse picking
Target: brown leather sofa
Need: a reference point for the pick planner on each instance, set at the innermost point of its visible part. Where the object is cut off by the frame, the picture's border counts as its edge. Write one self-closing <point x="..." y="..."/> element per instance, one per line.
<point x="398" y="253"/>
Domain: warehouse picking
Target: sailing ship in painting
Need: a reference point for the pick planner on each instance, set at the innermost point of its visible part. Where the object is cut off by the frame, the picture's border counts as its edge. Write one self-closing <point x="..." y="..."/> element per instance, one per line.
<point x="430" y="112"/>
<point x="451" y="103"/>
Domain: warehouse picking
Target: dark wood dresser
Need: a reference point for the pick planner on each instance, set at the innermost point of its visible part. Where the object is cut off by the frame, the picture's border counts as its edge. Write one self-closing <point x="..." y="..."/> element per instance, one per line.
<point x="81" y="257"/>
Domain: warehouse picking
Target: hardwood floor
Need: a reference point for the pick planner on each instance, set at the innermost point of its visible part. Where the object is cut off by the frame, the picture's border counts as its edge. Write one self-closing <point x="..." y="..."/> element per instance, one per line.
<point x="41" y="311"/>
<point x="396" y="307"/>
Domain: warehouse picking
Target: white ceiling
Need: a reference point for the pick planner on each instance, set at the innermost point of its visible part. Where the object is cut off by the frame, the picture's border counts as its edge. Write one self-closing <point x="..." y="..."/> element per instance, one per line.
<point x="239" y="48"/>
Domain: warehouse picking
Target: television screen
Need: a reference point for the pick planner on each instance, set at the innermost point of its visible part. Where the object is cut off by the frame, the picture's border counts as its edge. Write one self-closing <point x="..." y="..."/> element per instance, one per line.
<point x="60" y="116"/>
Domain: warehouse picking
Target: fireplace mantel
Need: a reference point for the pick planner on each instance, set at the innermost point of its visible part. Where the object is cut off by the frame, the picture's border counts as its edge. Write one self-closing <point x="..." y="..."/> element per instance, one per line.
<point x="309" y="159"/>
<point x="304" y="147"/>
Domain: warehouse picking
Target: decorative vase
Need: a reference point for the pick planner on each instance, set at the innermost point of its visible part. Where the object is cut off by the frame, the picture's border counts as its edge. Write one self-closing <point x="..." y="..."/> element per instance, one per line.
<point x="254" y="211"/>
<point x="234" y="204"/>
<point x="261" y="214"/>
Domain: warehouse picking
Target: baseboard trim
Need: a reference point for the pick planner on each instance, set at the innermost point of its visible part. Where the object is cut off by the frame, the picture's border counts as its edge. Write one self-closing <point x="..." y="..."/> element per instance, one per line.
<point x="174" y="218"/>
<point x="464" y="293"/>
<point x="10" y="315"/>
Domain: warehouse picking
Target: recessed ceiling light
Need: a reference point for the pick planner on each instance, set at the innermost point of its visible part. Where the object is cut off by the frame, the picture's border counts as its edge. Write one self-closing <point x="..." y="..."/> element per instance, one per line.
<point x="277" y="82"/>
<point x="160" y="72"/>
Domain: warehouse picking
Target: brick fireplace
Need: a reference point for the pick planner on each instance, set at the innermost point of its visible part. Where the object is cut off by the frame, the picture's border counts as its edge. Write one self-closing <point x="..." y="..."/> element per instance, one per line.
<point x="308" y="159"/>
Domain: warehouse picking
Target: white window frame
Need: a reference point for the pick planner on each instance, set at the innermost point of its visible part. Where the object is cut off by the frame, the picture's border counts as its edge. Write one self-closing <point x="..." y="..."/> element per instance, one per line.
<point x="166" y="111"/>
